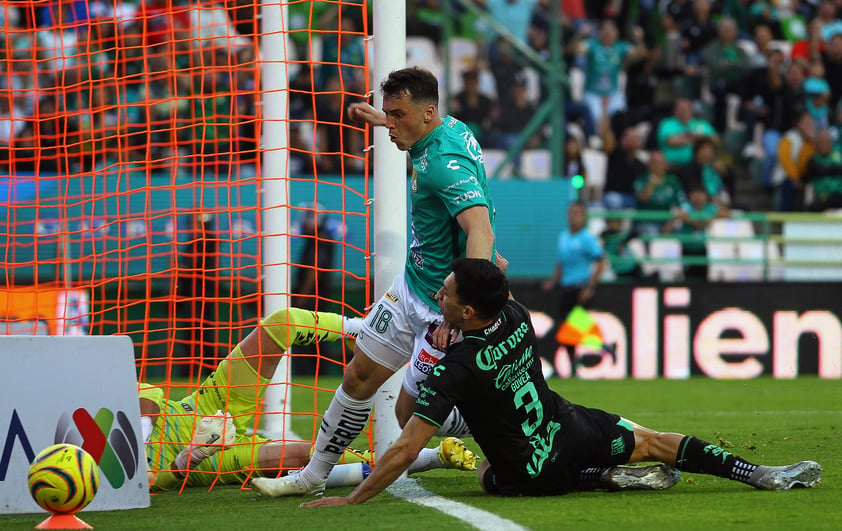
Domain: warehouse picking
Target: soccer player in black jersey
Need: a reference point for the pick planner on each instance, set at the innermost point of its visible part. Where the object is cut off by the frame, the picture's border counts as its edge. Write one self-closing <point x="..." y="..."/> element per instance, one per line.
<point x="535" y="441"/>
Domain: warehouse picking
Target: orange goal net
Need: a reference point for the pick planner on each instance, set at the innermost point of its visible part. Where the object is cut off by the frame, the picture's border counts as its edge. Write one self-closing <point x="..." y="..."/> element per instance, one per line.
<point x="133" y="182"/>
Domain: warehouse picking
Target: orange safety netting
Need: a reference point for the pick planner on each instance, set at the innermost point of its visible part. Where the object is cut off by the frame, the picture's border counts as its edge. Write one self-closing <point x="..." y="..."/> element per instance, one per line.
<point x="131" y="181"/>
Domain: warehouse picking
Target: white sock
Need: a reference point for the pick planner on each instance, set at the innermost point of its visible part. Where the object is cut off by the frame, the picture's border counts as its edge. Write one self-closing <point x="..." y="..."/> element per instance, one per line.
<point x="348" y="475"/>
<point x="454" y="426"/>
<point x="428" y="459"/>
<point x="344" y="419"/>
<point x="352" y="325"/>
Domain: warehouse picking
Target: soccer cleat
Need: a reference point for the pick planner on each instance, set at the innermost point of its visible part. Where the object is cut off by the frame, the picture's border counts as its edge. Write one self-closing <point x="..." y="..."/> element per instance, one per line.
<point x="453" y="454"/>
<point x="803" y="475"/>
<point x="213" y="433"/>
<point x="290" y="485"/>
<point x="652" y="477"/>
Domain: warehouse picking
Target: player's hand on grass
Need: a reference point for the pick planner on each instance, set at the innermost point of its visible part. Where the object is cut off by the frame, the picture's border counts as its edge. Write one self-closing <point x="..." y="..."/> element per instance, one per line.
<point x="363" y="112"/>
<point x="330" y="501"/>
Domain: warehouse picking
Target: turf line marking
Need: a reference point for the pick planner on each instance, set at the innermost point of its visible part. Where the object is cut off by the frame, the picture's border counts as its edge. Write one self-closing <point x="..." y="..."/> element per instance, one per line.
<point x="409" y="490"/>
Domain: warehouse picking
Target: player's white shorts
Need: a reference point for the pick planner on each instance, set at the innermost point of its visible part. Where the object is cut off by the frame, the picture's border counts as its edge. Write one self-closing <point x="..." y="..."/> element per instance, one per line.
<point x="395" y="332"/>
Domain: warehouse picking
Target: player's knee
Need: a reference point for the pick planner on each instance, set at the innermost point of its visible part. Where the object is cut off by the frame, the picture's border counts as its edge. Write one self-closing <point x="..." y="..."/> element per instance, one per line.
<point x="402" y="413"/>
<point x="404" y="406"/>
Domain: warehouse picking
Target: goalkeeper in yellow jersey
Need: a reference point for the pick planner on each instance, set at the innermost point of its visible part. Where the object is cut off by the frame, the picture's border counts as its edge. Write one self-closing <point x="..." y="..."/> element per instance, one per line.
<point x="202" y="438"/>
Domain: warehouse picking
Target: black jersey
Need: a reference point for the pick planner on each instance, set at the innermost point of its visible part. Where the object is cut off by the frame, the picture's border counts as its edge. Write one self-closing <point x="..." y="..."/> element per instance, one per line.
<point x="494" y="377"/>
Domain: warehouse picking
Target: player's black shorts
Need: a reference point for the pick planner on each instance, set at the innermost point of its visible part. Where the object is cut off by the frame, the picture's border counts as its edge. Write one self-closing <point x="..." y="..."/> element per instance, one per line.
<point x="588" y="438"/>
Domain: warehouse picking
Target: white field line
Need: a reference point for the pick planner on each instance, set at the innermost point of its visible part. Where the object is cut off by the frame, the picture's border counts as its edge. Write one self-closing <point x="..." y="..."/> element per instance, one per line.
<point x="409" y="490"/>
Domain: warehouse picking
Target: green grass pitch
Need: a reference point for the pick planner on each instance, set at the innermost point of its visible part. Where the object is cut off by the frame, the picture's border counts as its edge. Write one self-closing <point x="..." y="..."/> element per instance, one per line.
<point x="764" y="420"/>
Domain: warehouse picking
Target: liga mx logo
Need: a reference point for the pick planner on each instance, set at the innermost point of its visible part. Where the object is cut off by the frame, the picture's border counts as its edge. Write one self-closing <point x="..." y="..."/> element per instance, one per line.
<point x="109" y="438"/>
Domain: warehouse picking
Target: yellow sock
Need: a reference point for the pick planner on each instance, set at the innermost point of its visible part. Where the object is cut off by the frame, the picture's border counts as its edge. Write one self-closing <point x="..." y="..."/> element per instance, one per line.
<point x="294" y="326"/>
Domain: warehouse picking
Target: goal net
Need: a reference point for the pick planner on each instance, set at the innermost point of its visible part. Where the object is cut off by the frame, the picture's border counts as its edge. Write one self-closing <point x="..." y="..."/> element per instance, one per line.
<point x="155" y="183"/>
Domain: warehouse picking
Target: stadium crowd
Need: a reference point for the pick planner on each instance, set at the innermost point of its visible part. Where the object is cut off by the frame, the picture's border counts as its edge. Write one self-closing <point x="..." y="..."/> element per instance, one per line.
<point x="727" y="91"/>
<point x="741" y="97"/>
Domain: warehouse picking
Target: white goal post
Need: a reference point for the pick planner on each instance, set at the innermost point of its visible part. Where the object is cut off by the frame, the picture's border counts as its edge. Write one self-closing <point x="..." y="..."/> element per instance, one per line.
<point x="390" y="210"/>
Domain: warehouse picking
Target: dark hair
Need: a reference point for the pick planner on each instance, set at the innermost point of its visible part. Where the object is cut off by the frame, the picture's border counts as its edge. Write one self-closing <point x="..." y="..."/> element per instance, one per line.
<point x="419" y="84"/>
<point x="701" y="143"/>
<point x="481" y="285"/>
<point x="580" y="204"/>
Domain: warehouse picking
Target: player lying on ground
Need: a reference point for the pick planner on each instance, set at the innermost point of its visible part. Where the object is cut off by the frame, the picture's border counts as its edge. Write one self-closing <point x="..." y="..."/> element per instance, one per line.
<point x="535" y="441"/>
<point x="180" y="449"/>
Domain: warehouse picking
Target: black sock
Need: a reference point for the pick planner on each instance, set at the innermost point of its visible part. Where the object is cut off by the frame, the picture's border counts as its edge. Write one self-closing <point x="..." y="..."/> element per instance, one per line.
<point x="589" y="479"/>
<point x="695" y="455"/>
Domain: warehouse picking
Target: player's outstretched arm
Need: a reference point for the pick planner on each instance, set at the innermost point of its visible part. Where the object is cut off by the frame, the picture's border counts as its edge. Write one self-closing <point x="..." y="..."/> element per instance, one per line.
<point x="394" y="462"/>
<point x="363" y="112"/>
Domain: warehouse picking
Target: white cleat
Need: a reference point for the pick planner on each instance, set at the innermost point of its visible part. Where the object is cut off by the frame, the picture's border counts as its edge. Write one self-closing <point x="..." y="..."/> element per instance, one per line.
<point x="803" y="475"/>
<point x="289" y="485"/>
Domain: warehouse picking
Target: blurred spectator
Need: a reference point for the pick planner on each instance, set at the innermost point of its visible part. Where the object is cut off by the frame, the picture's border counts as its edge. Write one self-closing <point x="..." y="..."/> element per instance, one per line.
<point x="704" y="169"/>
<point x="740" y="11"/>
<point x="343" y="57"/>
<point x="827" y="15"/>
<point x="575" y="9"/>
<point x="211" y="27"/>
<point x="212" y="132"/>
<point x="573" y="164"/>
<point x="678" y="133"/>
<point x="832" y="60"/>
<point x="728" y="65"/>
<point x="775" y="97"/>
<point x="615" y="238"/>
<point x="514" y="15"/>
<point x="762" y="37"/>
<point x="643" y="77"/>
<point x="824" y="174"/>
<point x="657" y="191"/>
<point x="677" y="13"/>
<point x="794" y="151"/>
<point x="817" y="92"/>
<point x="793" y="19"/>
<point x="698" y="29"/>
<point x="339" y="147"/>
<point x="40" y="147"/>
<point x="691" y="222"/>
<point x="13" y="123"/>
<point x="425" y="18"/>
<point x="473" y="107"/>
<point x="605" y="59"/>
<point x="765" y="13"/>
<point x="506" y="72"/>
<point x="810" y="46"/>
<point x="622" y="168"/>
<point x="512" y="120"/>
